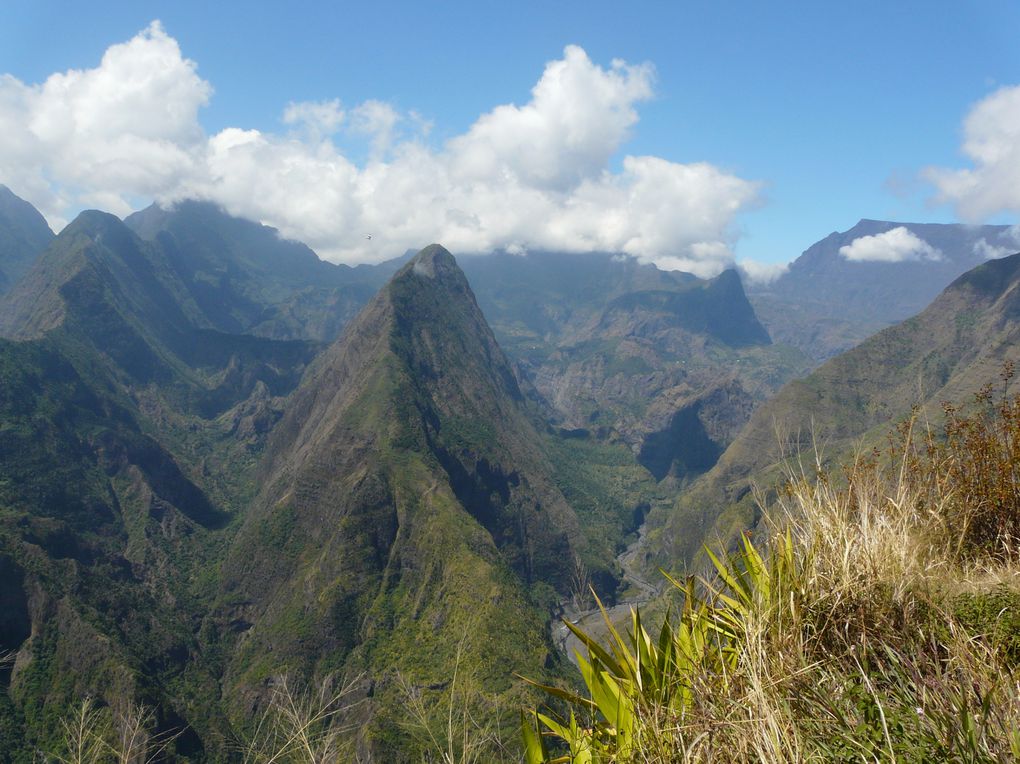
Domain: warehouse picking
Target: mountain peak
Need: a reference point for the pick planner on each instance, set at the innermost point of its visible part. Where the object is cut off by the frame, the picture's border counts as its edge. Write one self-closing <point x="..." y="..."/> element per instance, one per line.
<point x="435" y="261"/>
<point x="730" y="278"/>
<point x="93" y="223"/>
<point x="432" y="284"/>
<point x="24" y="234"/>
<point x="991" y="278"/>
<point x="406" y="460"/>
<point x="15" y="212"/>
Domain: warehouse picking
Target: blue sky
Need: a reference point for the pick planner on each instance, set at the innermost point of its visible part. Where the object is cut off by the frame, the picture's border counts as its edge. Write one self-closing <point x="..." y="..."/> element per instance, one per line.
<point x="833" y="110"/>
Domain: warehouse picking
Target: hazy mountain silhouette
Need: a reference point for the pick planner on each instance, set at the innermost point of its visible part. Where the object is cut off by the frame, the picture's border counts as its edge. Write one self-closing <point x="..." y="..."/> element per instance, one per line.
<point x="826" y="303"/>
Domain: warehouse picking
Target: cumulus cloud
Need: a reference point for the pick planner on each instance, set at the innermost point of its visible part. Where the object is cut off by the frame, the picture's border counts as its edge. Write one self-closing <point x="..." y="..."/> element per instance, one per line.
<point x="893" y="246"/>
<point x="128" y="127"/>
<point x="321" y="118"/>
<point x="578" y="116"/>
<point x="377" y="120"/>
<point x="761" y="273"/>
<point x="984" y="248"/>
<point x="531" y="176"/>
<point x="1009" y="243"/>
<point x="992" y="143"/>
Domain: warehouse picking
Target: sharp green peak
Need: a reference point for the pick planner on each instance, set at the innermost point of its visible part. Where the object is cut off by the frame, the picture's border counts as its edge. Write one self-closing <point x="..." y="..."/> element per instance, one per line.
<point x="103" y="229"/>
<point x="97" y="221"/>
<point x="435" y="262"/>
<point x="409" y="492"/>
<point x="432" y="252"/>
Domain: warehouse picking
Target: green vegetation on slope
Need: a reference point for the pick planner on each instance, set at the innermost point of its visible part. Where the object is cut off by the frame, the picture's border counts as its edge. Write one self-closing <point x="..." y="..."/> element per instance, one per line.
<point x="132" y="429"/>
<point x="410" y="523"/>
<point x="129" y="437"/>
<point x="99" y="562"/>
<point x="611" y="494"/>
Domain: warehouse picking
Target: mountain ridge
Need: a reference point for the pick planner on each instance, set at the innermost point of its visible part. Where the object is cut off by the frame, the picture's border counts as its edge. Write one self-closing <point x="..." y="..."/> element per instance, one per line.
<point x="825" y="303"/>
<point x="24" y="233"/>
<point x="946" y="352"/>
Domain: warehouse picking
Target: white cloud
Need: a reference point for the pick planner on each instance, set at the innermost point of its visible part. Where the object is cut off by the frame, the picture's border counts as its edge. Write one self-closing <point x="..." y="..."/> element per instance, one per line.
<point x="992" y="143"/>
<point x="1010" y="244"/>
<point x="127" y="127"/>
<point x="761" y="273"/>
<point x="320" y="118"/>
<point x="578" y="116"/>
<point x="534" y="176"/>
<point x="377" y="120"/>
<point x="893" y="246"/>
<point x="983" y="248"/>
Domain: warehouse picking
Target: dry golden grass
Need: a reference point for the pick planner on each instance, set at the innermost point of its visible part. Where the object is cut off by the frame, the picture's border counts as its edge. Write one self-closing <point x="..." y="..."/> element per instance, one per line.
<point x="844" y="640"/>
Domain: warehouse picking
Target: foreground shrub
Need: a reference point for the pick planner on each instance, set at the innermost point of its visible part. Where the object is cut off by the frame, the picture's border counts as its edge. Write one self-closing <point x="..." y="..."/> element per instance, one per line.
<point x="975" y="468"/>
<point x="873" y="620"/>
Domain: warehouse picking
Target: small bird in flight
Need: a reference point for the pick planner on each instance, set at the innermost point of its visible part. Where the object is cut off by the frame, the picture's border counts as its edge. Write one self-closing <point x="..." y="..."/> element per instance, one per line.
<point x="368" y="236"/>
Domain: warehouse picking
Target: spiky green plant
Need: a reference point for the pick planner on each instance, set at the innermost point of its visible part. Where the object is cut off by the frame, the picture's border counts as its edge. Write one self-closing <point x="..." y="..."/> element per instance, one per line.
<point x="834" y="639"/>
<point x="640" y="675"/>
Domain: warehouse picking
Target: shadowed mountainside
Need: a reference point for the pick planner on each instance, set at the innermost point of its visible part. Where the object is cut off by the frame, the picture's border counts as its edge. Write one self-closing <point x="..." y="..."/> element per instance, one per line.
<point x="24" y="234"/>
<point x="946" y="352"/>
<point x="128" y="441"/>
<point x="624" y="351"/>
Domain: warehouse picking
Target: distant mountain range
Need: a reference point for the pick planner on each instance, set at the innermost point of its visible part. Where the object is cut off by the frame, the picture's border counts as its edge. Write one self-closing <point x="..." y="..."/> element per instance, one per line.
<point x="615" y="348"/>
<point x="621" y="350"/>
<point x="246" y="279"/>
<point x="850" y="285"/>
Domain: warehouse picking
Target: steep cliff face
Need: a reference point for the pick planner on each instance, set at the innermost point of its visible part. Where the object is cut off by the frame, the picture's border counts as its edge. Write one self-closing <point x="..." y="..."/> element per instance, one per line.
<point x="696" y="431"/>
<point x="406" y="507"/>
